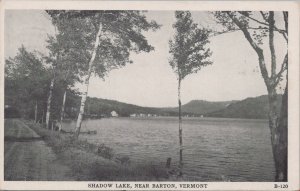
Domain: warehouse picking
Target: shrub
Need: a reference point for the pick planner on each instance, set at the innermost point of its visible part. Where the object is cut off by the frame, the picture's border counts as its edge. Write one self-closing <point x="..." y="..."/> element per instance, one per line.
<point x="105" y="152"/>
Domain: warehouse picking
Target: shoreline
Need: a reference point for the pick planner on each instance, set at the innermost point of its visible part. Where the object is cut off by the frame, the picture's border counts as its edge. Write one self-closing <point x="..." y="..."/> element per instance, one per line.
<point x="90" y="162"/>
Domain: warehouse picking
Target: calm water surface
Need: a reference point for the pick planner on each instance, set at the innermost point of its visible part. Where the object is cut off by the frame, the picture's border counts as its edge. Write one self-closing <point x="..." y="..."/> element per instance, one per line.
<point x="214" y="149"/>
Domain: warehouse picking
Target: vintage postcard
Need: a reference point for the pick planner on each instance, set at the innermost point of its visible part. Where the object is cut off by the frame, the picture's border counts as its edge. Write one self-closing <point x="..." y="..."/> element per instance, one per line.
<point x="149" y="95"/>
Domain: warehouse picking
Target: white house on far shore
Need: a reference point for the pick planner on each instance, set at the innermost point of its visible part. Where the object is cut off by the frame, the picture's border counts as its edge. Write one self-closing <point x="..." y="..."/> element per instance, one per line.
<point x="133" y="115"/>
<point x="114" y="114"/>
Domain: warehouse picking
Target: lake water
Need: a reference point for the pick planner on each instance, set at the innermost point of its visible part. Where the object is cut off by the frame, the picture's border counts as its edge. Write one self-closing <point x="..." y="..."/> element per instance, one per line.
<point x="214" y="149"/>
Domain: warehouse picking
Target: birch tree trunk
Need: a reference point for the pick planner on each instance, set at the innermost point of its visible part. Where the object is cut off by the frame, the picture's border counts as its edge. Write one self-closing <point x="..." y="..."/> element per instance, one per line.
<point x="278" y="124"/>
<point x="62" y="113"/>
<point x="86" y="83"/>
<point x="180" y="126"/>
<point x="278" y="127"/>
<point x="280" y="139"/>
<point x="36" y="112"/>
<point x="43" y="116"/>
<point x="282" y="130"/>
<point x="48" y="112"/>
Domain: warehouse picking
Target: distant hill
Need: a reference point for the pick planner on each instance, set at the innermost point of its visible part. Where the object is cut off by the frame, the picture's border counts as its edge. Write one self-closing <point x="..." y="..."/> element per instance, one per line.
<point x="256" y="108"/>
<point x="202" y="107"/>
<point x="252" y="108"/>
<point x="194" y="107"/>
<point x="105" y="107"/>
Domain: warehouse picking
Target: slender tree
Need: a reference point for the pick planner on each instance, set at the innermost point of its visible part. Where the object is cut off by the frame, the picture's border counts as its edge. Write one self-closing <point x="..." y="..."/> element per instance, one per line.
<point x="188" y="55"/>
<point x="257" y="27"/>
<point x="104" y="40"/>
<point x="52" y="59"/>
<point x="69" y="77"/>
<point x="49" y="100"/>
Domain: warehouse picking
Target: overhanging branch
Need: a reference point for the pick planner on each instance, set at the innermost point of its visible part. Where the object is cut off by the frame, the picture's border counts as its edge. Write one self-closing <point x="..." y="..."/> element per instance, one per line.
<point x="283" y="68"/>
<point x="281" y="31"/>
<point x="257" y="49"/>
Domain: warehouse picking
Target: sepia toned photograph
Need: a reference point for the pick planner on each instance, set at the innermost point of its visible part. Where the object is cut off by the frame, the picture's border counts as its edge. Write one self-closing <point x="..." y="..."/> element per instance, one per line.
<point x="142" y="95"/>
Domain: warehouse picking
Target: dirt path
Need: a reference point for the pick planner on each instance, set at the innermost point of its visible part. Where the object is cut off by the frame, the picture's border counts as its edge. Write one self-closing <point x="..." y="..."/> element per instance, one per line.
<point x="27" y="157"/>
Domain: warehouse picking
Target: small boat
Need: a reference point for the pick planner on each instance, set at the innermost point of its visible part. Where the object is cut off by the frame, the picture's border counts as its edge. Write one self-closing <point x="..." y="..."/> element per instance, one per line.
<point x="89" y="132"/>
<point x="83" y="132"/>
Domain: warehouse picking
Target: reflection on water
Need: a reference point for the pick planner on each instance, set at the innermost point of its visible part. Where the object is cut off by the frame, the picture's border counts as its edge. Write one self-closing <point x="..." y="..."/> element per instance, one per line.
<point x="214" y="149"/>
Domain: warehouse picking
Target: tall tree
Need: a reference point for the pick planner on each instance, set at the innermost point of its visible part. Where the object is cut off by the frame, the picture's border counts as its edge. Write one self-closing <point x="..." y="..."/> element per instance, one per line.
<point x="65" y="71"/>
<point x="188" y="55"/>
<point x="104" y="38"/>
<point x="53" y="60"/>
<point x="23" y="87"/>
<point x="259" y="27"/>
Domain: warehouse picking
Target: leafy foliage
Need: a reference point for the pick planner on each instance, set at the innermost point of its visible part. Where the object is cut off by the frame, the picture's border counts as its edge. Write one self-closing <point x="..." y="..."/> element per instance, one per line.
<point x="121" y="33"/>
<point x="258" y="30"/>
<point x="188" y="48"/>
<point x="104" y="38"/>
<point x="26" y="81"/>
<point x="65" y="65"/>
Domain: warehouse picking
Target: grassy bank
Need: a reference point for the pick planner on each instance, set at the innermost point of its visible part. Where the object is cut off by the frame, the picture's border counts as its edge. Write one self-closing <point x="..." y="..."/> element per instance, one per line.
<point x="89" y="162"/>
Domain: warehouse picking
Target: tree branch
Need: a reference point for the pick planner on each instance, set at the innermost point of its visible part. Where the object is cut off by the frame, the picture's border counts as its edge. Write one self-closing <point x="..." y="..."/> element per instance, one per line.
<point x="286" y="21"/>
<point x="281" y="31"/>
<point x="284" y="36"/>
<point x="253" y="19"/>
<point x="271" y="43"/>
<point x="243" y="28"/>
<point x="263" y="16"/>
<point x="216" y="33"/>
<point x="283" y="68"/>
<point x="257" y="49"/>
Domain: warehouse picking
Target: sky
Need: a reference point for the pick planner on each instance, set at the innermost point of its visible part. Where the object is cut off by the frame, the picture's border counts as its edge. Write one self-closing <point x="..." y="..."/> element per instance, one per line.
<point x="150" y="80"/>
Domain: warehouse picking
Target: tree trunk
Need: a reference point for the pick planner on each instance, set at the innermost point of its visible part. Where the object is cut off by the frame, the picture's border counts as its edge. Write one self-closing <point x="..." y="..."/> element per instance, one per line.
<point x="62" y="113"/>
<point x="86" y="83"/>
<point x="36" y="112"/>
<point x="279" y="141"/>
<point x="180" y="127"/>
<point x="43" y="116"/>
<point x="278" y="128"/>
<point x="48" y="112"/>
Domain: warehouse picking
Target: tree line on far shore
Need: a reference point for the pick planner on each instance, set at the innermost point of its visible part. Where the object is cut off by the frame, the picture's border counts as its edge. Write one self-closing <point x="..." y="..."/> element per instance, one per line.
<point x="88" y="43"/>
